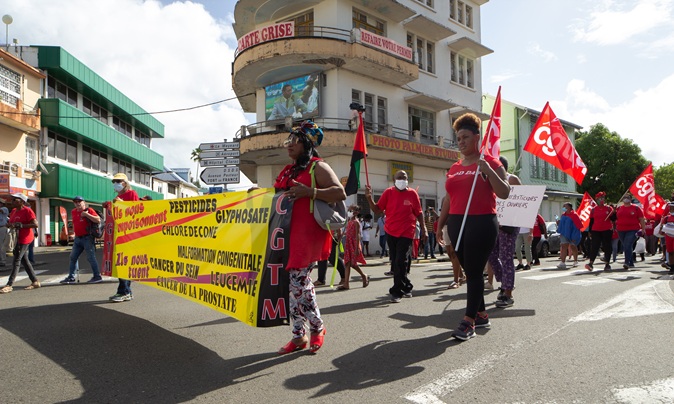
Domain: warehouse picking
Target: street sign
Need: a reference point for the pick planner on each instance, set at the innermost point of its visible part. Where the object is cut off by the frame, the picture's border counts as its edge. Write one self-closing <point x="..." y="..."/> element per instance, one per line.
<point x="215" y="190"/>
<point x="219" y="146"/>
<point x="214" y="154"/>
<point x="219" y="162"/>
<point x="221" y="175"/>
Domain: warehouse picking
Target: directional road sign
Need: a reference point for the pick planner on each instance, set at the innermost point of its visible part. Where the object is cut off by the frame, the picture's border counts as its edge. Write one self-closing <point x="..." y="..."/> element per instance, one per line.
<point x="215" y="154"/>
<point x="218" y="162"/>
<point x="221" y="175"/>
<point x="219" y="146"/>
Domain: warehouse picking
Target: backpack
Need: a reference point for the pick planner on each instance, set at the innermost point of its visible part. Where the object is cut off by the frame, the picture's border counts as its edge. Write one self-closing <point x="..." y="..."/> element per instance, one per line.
<point x="96" y="229"/>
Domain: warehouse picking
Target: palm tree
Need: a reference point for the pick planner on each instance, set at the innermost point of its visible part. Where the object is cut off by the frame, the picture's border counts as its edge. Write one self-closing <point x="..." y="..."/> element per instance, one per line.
<point x="195" y="157"/>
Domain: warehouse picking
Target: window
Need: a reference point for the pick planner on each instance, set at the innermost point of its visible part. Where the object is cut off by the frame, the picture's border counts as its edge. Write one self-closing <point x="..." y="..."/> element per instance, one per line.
<point x="171" y="189"/>
<point x="381" y="112"/>
<point x="119" y="166"/>
<point x="375" y="115"/>
<point x="31" y="153"/>
<point x="95" y="110"/>
<point x="61" y="91"/>
<point x="461" y="13"/>
<point x="368" y="23"/>
<point x="94" y="159"/>
<point x="424" y="50"/>
<point x="368" y="119"/>
<point x="141" y="137"/>
<point x="142" y="176"/>
<point x="304" y="24"/>
<point x="429" y="3"/>
<point x="423" y="121"/>
<point x="462" y="70"/>
<point x="10" y="86"/>
<point x="122" y="126"/>
<point x="61" y="148"/>
<point x="160" y="188"/>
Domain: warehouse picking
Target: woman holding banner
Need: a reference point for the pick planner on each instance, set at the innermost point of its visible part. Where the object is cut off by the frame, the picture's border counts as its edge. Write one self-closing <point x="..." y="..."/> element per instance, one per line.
<point x="473" y="184"/>
<point x="309" y="242"/>
<point x="120" y="183"/>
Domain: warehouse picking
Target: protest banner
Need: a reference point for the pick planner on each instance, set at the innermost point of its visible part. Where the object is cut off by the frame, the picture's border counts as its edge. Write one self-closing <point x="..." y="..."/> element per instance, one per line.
<point x="224" y="251"/>
<point x="521" y="207"/>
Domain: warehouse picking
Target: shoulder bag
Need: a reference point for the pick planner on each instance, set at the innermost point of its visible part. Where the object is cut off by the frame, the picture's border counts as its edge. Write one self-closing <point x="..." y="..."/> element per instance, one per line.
<point x="330" y="216"/>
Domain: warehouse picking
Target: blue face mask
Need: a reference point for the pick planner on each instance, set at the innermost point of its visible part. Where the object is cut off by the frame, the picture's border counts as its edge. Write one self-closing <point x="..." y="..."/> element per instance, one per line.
<point x="563" y="210"/>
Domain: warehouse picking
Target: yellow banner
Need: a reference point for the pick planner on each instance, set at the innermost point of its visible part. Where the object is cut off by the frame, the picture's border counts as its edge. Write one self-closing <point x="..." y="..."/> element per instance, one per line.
<point x="213" y="250"/>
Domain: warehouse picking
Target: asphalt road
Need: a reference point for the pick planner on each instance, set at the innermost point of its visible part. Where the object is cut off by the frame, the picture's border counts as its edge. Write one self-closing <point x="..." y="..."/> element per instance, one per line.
<point x="572" y="337"/>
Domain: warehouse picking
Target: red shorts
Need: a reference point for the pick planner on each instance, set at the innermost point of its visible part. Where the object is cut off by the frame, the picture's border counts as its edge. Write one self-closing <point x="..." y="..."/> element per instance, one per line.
<point x="669" y="244"/>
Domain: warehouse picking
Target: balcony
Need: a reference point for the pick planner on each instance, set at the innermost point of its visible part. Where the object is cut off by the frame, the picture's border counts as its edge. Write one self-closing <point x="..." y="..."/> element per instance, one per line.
<point x="262" y="144"/>
<point x="17" y="117"/>
<point x="65" y="119"/>
<point x="321" y="49"/>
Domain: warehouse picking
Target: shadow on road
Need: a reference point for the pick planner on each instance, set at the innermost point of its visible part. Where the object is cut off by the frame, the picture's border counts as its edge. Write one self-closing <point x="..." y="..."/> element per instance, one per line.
<point x="119" y="358"/>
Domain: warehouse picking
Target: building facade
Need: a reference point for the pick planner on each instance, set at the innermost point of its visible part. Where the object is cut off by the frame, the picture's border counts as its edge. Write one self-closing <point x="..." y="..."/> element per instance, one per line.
<point x="172" y="183"/>
<point x="89" y="131"/>
<point x="20" y="91"/>
<point x="517" y="123"/>
<point x="414" y="65"/>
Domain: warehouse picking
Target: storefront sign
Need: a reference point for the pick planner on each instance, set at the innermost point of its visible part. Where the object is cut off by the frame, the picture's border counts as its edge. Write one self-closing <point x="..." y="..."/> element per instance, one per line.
<point x="395" y="166"/>
<point x="276" y="31"/>
<point x="4" y="183"/>
<point x="392" y="143"/>
<point x="385" y="44"/>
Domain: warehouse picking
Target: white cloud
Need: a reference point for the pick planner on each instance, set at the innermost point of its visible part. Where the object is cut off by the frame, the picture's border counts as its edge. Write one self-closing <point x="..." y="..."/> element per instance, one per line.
<point x="611" y="24"/>
<point x="505" y="76"/>
<point x="162" y="57"/>
<point x="639" y="119"/>
<point x="547" y="56"/>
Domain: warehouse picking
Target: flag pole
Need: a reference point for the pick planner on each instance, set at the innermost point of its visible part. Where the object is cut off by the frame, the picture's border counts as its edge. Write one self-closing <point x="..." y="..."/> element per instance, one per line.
<point x="360" y="121"/>
<point x="470" y="198"/>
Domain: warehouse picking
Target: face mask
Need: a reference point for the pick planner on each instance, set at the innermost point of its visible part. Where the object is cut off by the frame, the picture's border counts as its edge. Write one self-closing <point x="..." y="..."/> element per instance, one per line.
<point x="349" y="214"/>
<point x="118" y="186"/>
<point x="563" y="210"/>
<point x="627" y="200"/>
<point x="401" y="184"/>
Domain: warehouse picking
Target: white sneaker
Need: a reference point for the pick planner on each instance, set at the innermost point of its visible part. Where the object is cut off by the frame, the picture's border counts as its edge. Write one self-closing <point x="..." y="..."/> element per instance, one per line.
<point x="575" y="264"/>
<point x="489" y="286"/>
<point x="561" y="265"/>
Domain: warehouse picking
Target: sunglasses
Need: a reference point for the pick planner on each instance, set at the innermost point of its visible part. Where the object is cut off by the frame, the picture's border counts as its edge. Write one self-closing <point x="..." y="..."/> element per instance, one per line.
<point x="117" y="181"/>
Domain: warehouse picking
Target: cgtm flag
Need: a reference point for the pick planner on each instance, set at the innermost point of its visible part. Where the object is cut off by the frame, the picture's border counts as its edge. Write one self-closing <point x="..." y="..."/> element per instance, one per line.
<point x="584" y="210"/>
<point x="359" y="153"/>
<point x="548" y="140"/>
<point x="643" y="189"/>
<point x="491" y="143"/>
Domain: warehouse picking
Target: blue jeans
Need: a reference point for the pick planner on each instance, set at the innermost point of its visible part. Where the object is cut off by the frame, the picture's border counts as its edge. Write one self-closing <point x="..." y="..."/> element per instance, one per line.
<point x="124" y="287"/>
<point x="382" y="245"/>
<point x="83" y="244"/>
<point x="627" y="239"/>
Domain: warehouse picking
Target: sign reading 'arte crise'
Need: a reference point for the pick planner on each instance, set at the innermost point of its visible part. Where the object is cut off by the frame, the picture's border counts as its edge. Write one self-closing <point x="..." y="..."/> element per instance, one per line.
<point x="224" y="251"/>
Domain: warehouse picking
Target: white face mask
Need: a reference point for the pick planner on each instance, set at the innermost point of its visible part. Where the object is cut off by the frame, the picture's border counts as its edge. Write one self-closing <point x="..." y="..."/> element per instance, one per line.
<point x="118" y="186"/>
<point x="401" y="184"/>
<point x="349" y="214"/>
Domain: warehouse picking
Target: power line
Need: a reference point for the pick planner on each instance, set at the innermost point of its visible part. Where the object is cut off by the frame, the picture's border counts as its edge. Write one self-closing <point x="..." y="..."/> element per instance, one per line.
<point x="136" y="114"/>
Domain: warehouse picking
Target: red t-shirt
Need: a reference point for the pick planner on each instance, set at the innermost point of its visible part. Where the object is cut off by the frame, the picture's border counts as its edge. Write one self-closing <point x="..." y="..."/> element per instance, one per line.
<point x="458" y="185"/>
<point x="628" y="218"/>
<point x="650" y="225"/>
<point x="129" y="195"/>
<point x="80" y="223"/>
<point x="537" y="230"/>
<point x="402" y="209"/>
<point x="25" y="216"/>
<point x="600" y="215"/>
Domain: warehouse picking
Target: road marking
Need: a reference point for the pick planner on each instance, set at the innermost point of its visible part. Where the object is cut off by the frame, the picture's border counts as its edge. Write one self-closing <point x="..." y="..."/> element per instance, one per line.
<point x="654" y="297"/>
<point x="556" y="274"/>
<point x="598" y="281"/>
<point x="431" y="392"/>
<point x="660" y="391"/>
<point x="21" y="276"/>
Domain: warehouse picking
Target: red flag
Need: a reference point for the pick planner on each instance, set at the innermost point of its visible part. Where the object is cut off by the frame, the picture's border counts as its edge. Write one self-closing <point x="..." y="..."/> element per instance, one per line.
<point x="643" y="189"/>
<point x="549" y="141"/>
<point x="491" y="143"/>
<point x="586" y="206"/>
<point x="359" y="153"/>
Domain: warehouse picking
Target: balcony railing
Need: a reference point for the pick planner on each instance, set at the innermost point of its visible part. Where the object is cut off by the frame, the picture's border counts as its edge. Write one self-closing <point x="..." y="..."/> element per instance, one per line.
<point x="341" y="124"/>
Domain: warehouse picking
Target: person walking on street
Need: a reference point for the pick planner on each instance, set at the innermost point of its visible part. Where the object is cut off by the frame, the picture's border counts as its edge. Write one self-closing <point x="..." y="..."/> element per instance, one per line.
<point x="4" y="220"/>
<point x="381" y="233"/>
<point x="569" y="231"/>
<point x="430" y="217"/>
<point x="538" y="232"/>
<point x="353" y="254"/>
<point x="402" y="207"/>
<point x="629" y="219"/>
<point x="120" y="183"/>
<point x="82" y="217"/>
<point x="309" y="242"/>
<point x="23" y="220"/>
<point x="481" y="225"/>
<point x="602" y="217"/>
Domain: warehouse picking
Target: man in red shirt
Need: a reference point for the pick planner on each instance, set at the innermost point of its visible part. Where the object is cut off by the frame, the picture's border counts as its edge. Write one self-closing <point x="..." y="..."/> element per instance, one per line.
<point x="23" y="220"/>
<point x="629" y="219"/>
<point x="403" y="211"/>
<point x="82" y="217"/>
<point x="601" y="231"/>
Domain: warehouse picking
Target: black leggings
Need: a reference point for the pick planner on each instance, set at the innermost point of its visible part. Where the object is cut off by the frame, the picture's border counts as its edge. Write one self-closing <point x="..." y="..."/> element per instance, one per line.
<point x="477" y="242"/>
<point x="601" y="239"/>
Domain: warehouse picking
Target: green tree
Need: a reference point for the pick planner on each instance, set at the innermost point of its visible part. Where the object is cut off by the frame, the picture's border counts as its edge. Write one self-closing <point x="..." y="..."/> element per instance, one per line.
<point x="613" y="163"/>
<point x="664" y="180"/>
<point x="195" y="157"/>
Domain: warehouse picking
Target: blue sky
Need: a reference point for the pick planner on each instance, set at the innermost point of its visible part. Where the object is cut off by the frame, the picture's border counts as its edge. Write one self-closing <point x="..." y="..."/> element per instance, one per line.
<point x="600" y="61"/>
